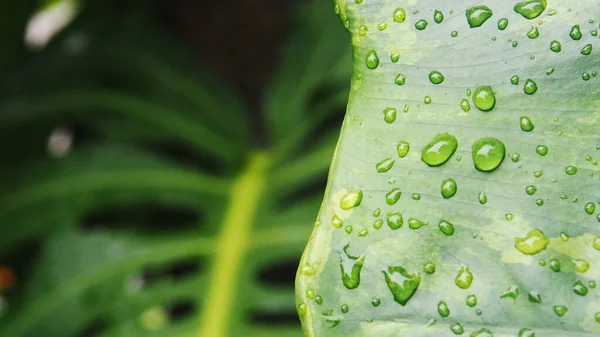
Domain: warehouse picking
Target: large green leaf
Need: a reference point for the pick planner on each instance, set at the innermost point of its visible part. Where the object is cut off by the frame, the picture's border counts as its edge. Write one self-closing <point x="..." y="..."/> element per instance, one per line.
<point x="464" y="232"/>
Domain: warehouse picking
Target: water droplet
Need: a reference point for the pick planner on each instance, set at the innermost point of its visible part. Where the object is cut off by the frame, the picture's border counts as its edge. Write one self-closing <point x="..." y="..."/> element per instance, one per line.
<point x="596" y="243"/>
<point x="542" y="150"/>
<point x="414" y="223"/>
<point x="429" y="268"/>
<point x="454" y="33"/>
<point x="515" y="157"/>
<point x="514" y="80"/>
<point x="336" y="9"/>
<point x="592" y="284"/>
<point x="382" y="26"/>
<point x="512" y="292"/>
<point x="416" y="196"/>
<point x="351" y="267"/>
<point x="586" y="50"/>
<point x="344" y="308"/>
<point x="377" y="212"/>
<point x="395" y="56"/>
<point x="336" y="222"/>
<point x="535" y="297"/>
<point x="471" y="300"/>
<point x="457" y="329"/>
<point x="502" y="23"/>
<point x="526" y="124"/>
<point x="401" y="283"/>
<point x="436" y="77"/>
<point x="403" y="148"/>
<point x="449" y="188"/>
<point x="421" y="24"/>
<point x="307" y="270"/>
<point x="375" y="302"/>
<point x="399" y="15"/>
<point x="530" y="87"/>
<point x="378" y="224"/>
<point x="597" y="317"/>
<point x="555" y="265"/>
<point x="349" y="229"/>
<point x="575" y="33"/>
<point x="534" y="242"/>
<point x="488" y="154"/>
<point x="579" y="288"/>
<point x="392" y="197"/>
<point x="484" y="98"/>
<point x="448" y="228"/>
<point x="439" y="150"/>
<point x="483" y="333"/>
<point x="385" y="165"/>
<point x="581" y="265"/>
<point x="477" y="15"/>
<point x="539" y="202"/>
<point x="363" y="30"/>
<point x="555" y="46"/>
<point x="394" y="220"/>
<point x="372" y="60"/>
<point x="464" y="278"/>
<point x="363" y="233"/>
<point x="530" y="189"/>
<point x="310" y="293"/>
<point x="538" y="174"/>
<point x="585" y="76"/>
<point x="400" y="79"/>
<point x="482" y="197"/>
<point x="509" y="216"/>
<point x="465" y="105"/>
<point x="351" y="199"/>
<point x="571" y="170"/>
<point x="560" y="310"/>
<point x="530" y="9"/>
<point x="533" y="32"/>
<point x="443" y="309"/>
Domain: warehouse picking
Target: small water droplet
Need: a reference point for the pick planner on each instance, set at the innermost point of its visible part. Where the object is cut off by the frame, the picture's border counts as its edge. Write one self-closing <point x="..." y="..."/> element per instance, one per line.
<point x="416" y="196"/>
<point x="465" y="105"/>
<point x="585" y="76"/>
<point x="555" y="46"/>
<point x="385" y="165"/>
<point x="535" y="297"/>
<point x="399" y="15"/>
<point x="484" y="98"/>
<point x="509" y="216"/>
<point x="448" y="229"/>
<point x="533" y="32"/>
<point x="429" y="268"/>
<point x="363" y="233"/>
<point x="457" y="329"/>
<point x="534" y="242"/>
<point x="392" y="197"/>
<point x="530" y="189"/>
<point x="526" y="124"/>
<point x="586" y="50"/>
<point x="555" y="265"/>
<point x="575" y="33"/>
<point x="401" y="283"/>
<point x="403" y="148"/>
<point x="471" y="300"/>
<point x="443" y="309"/>
<point x="530" y="87"/>
<point x="538" y="174"/>
<point x="482" y="197"/>
<point x="514" y="80"/>
<point x="439" y="150"/>
<point x="560" y="310"/>
<point x="395" y="220"/>
<point x="427" y="100"/>
<point x="349" y="229"/>
<point x="571" y="170"/>
<point x="382" y="25"/>
<point x="542" y="150"/>
<point x="488" y="154"/>
<point x="344" y="308"/>
<point x="375" y="302"/>
<point x="307" y="270"/>
<point x="350" y="267"/>
<point x="592" y="284"/>
<point x="436" y="77"/>
<point x="464" y="278"/>
<point x="400" y="79"/>
<point x="512" y="292"/>
<point x="581" y="265"/>
<point x="477" y="15"/>
<point x="395" y="56"/>
<point x="597" y="317"/>
<point x="530" y="9"/>
<point x="539" y="202"/>
<point x="449" y="188"/>
<point x="438" y="16"/>
<point x="337" y="222"/>
<point x="454" y="33"/>
<point x="502" y="23"/>
<point x="372" y="60"/>
<point x="414" y="223"/>
<point x="377" y="212"/>
<point x="378" y="224"/>
<point x="515" y="157"/>
<point x="351" y="199"/>
<point x="310" y="293"/>
<point x="579" y="288"/>
<point x="421" y="24"/>
<point x="363" y="30"/>
<point x="302" y="309"/>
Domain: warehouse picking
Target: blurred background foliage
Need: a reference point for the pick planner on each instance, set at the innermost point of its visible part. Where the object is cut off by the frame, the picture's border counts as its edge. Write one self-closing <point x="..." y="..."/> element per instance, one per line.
<point x="160" y="154"/>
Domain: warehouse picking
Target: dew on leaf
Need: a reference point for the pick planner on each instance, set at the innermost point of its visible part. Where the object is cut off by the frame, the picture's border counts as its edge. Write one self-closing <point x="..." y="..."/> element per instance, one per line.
<point x="448" y="229"/>
<point x="375" y="302"/>
<point x="514" y="80"/>
<point x="560" y="310"/>
<point x="363" y="30"/>
<point x="443" y="309"/>
<point x="382" y="25"/>
<point x="542" y="150"/>
<point x="488" y="154"/>
<point x="539" y="202"/>
<point x="515" y="44"/>
<point x="534" y="297"/>
<point x="530" y="189"/>
<point x="344" y="308"/>
<point x="564" y="236"/>
<point x="484" y="98"/>
<point x="302" y="309"/>
<point x="555" y="46"/>
<point x="471" y="300"/>
<point x="427" y="100"/>
<point x="421" y="24"/>
<point x="350" y="267"/>
<point x="372" y="60"/>
<point x="502" y="23"/>
<point x="585" y="76"/>
<point x="439" y="150"/>
<point x="534" y="242"/>
<point x="482" y="197"/>
<point x="392" y="197"/>
<point x="438" y="16"/>
<point x="533" y="32"/>
<point x="429" y="268"/>
<point x="592" y="284"/>
<point x="351" y="199"/>
<point x="581" y="265"/>
<point x="385" y="165"/>
<point x="307" y="270"/>
<point x="349" y="229"/>
<point x="509" y="216"/>
<point x="586" y="50"/>
<point x="400" y="79"/>
<point x="337" y="222"/>
<point x="399" y="15"/>
<point x="526" y="124"/>
<point x="363" y="233"/>
<point x="596" y="243"/>
<point x="395" y="220"/>
<point x="377" y="212"/>
<point x="512" y="292"/>
<point x="579" y="288"/>
<point x="530" y="87"/>
<point x="449" y="188"/>
<point x="530" y="9"/>
<point x="454" y="33"/>
<point x="416" y="196"/>
<point x="554" y="265"/>
<point x="310" y="293"/>
<point x="457" y="329"/>
<point x="571" y="170"/>
<point x="401" y="283"/>
<point x="403" y="148"/>
<point x="395" y="56"/>
<point x="597" y="317"/>
<point x="477" y="15"/>
<point x="575" y="33"/>
<point x="436" y="77"/>
<point x="414" y="223"/>
<point x="465" y="105"/>
<point x="538" y="174"/>
<point x="464" y="278"/>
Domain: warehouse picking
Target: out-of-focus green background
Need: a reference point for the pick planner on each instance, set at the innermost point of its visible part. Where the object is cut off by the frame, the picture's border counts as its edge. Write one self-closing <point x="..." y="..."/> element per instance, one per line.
<point x="162" y="162"/>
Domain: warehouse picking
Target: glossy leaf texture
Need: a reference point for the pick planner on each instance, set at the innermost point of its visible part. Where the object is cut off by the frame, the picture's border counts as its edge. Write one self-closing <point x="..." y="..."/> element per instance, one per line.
<point x="134" y="197"/>
<point x="472" y="137"/>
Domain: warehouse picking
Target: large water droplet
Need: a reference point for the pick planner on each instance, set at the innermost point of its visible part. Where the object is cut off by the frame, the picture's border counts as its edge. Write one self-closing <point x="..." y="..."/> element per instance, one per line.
<point x="464" y="278"/>
<point x="392" y="197"/>
<point x="526" y="124"/>
<point x="555" y="46"/>
<point x="436" y="77"/>
<point x="438" y="16"/>
<point x="389" y="115"/>
<point x="449" y="188"/>
<point x="385" y="165"/>
<point x="484" y="98"/>
<point x="530" y="87"/>
<point x="534" y="242"/>
<point x="402" y="284"/>
<point x="448" y="228"/>
<point x="403" y="148"/>
<point x="372" y="60"/>
<point x="351" y="267"/>
<point x="439" y="150"/>
<point x="399" y="15"/>
<point x="575" y="33"/>
<point x="351" y="199"/>
<point x="477" y="15"/>
<point x="488" y="154"/>
<point x="530" y="9"/>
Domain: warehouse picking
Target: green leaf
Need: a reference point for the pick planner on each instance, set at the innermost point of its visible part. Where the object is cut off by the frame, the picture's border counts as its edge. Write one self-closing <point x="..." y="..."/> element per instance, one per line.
<point x="475" y="146"/>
